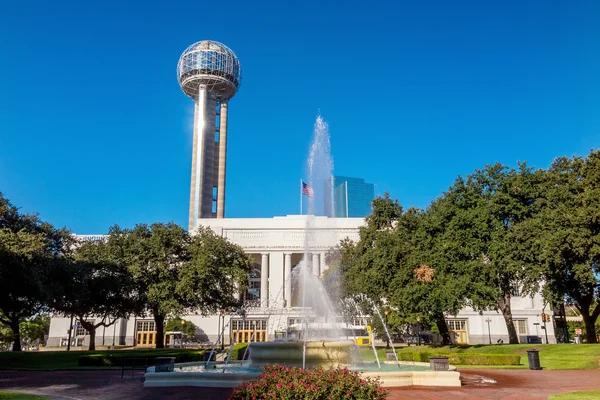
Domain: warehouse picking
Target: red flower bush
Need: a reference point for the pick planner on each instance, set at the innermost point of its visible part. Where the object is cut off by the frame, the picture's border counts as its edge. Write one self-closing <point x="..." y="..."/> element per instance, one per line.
<point x="279" y="382"/>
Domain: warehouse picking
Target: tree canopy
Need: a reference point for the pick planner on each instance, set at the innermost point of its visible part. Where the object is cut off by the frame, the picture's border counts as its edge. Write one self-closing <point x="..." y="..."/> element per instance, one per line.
<point x="563" y="239"/>
<point x="29" y="250"/>
<point x="95" y="289"/>
<point x="175" y="272"/>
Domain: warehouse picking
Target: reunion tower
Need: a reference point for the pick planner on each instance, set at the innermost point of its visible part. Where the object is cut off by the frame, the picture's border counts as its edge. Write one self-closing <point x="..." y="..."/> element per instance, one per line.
<point x="209" y="73"/>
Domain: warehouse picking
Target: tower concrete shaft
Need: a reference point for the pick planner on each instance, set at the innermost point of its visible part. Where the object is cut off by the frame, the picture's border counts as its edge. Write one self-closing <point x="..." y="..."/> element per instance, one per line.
<point x="222" y="161"/>
<point x="207" y="188"/>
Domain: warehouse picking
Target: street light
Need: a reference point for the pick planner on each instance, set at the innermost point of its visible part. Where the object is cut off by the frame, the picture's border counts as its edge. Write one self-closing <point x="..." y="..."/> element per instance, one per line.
<point x="387" y="336"/>
<point x="488" y="320"/>
<point x="182" y="325"/>
<point x="69" y="333"/>
<point x="223" y="332"/>
<point x="419" y="330"/>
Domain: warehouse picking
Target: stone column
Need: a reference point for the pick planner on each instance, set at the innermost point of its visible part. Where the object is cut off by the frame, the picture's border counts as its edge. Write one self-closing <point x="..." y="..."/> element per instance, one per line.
<point x="323" y="265"/>
<point x="315" y="265"/>
<point x="287" y="282"/>
<point x="264" y="280"/>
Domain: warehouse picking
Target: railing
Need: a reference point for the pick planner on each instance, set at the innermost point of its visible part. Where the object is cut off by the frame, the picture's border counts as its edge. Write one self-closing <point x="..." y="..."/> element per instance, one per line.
<point x="252" y="304"/>
<point x="135" y="364"/>
<point x="91" y="238"/>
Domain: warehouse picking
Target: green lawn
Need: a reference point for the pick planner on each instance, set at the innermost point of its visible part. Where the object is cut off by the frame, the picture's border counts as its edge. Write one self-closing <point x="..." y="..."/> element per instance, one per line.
<point x="585" y="395"/>
<point x="48" y="360"/>
<point x="20" y="396"/>
<point x="552" y="356"/>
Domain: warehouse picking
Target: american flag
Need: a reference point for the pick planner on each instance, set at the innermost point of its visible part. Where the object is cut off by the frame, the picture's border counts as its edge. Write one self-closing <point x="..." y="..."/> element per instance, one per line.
<point x="307" y="190"/>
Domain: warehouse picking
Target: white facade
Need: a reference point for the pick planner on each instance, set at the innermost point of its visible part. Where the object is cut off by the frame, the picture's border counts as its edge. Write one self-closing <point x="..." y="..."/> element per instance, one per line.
<point x="277" y="245"/>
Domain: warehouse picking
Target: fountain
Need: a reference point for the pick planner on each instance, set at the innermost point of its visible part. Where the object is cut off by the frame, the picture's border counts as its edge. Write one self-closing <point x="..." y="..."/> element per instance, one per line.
<point x="318" y="341"/>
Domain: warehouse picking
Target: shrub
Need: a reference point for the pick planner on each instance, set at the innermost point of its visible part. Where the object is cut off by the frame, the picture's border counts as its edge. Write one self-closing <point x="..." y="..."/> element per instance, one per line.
<point x="484" y="359"/>
<point x="126" y="358"/>
<point x="463" y="359"/>
<point x="238" y="351"/>
<point x="310" y="384"/>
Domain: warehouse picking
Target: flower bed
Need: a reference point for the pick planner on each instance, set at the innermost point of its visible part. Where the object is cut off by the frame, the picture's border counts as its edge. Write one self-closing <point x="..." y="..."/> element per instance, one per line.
<point x="309" y="384"/>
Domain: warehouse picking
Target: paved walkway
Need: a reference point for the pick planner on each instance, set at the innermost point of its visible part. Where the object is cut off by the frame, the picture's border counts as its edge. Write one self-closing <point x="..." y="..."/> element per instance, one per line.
<point x="108" y="385"/>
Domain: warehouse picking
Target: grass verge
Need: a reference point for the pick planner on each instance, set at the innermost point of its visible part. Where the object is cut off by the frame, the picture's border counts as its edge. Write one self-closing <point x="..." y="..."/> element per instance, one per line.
<point x="552" y="356"/>
<point x="50" y="360"/>
<point x="584" y="395"/>
<point x="21" y="396"/>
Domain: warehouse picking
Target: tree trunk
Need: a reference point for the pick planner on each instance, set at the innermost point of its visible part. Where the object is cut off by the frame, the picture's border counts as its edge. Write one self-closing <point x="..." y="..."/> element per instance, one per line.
<point x="16" y="330"/>
<point x="91" y="330"/>
<point x="504" y="306"/>
<point x="584" y="305"/>
<point x="440" y="322"/>
<point x="92" y="339"/>
<point x="590" y="329"/>
<point x="159" y="320"/>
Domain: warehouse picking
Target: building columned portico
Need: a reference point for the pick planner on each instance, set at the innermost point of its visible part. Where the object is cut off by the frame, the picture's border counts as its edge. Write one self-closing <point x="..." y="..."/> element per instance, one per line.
<point x="277" y="245"/>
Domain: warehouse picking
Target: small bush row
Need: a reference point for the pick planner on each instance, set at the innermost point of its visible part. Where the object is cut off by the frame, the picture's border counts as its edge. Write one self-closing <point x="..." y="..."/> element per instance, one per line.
<point x="463" y="359"/>
<point x="309" y="384"/>
<point x="238" y="351"/>
<point x="117" y="360"/>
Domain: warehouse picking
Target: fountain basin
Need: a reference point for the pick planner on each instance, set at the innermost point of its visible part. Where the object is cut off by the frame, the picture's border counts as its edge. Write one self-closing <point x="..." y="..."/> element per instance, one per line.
<point x="391" y="374"/>
<point x="318" y="353"/>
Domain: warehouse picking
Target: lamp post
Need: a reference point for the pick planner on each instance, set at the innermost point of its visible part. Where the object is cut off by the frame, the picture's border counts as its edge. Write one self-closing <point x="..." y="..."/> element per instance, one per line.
<point x="488" y="320"/>
<point x="222" y="332"/>
<point x="69" y="333"/>
<point x="182" y="325"/>
<point x="545" y="318"/>
<point x="218" y="329"/>
<point x="419" y="330"/>
<point x="114" y="333"/>
<point x="387" y="337"/>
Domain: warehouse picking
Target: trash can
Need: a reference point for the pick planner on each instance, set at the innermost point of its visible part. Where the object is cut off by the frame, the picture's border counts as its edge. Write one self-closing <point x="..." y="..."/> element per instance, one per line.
<point x="164" y="364"/>
<point x="439" y="363"/>
<point x="533" y="357"/>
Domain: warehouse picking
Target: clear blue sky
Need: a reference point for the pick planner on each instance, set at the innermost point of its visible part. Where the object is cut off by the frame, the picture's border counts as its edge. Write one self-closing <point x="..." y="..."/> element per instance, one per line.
<point x="94" y="129"/>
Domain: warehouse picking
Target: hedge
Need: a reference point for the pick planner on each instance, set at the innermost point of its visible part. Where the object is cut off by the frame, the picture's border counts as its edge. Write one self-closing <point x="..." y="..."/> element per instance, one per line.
<point x="238" y="351"/>
<point x="117" y="360"/>
<point x="463" y="359"/>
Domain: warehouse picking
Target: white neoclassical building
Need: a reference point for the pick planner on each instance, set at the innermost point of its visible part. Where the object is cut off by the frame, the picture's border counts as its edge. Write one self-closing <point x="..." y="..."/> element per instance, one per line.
<point x="277" y="246"/>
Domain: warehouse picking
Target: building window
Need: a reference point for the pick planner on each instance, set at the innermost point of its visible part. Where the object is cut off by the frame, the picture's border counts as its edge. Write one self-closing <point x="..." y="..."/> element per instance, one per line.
<point x="514" y="291"/>
<point x="146" y="326"/>
<point x="249" y="325"/>
<point x="80" y="331"/>
<point x="457" y="324"/>
<point x="253" y="293"/>
<point x="300" y="321"/>
<point x="521" y="327"/>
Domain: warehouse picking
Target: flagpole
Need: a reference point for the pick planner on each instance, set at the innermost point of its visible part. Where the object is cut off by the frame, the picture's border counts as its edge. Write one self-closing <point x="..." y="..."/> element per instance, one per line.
<point x="300" y="196"/>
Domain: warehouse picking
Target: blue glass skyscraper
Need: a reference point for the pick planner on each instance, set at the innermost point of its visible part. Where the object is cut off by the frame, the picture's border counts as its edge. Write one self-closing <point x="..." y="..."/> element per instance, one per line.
<point x="351" y="197"/>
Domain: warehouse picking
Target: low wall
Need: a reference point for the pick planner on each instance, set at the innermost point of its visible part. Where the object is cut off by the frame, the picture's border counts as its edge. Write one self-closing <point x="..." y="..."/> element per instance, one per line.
<point x="231" y="380"/>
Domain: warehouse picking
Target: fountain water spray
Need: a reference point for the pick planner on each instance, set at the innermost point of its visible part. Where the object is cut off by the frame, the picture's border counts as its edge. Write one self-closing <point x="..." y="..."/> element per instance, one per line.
<point x="372" y="336"/>
<point x="215" y="344"/>
<point x="248" y="347"/>
<point x="366" y="298"/>
<point x="320" y="169"/>
<point x="241" y="312"/>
